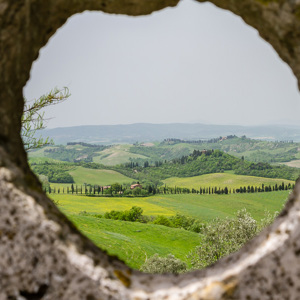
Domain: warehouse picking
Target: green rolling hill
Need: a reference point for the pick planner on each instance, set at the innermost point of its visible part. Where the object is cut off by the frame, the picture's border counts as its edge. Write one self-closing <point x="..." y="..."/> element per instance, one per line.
<point x="222" y="180"/>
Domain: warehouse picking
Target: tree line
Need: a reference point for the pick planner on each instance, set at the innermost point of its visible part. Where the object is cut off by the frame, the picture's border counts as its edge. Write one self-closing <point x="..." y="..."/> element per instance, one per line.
<point x="119" y="190"/>
<point x="114" y="190"/>
<point x="203" y="141"/>
<point x="203" y="162"/>
<point x="227" y="190"/>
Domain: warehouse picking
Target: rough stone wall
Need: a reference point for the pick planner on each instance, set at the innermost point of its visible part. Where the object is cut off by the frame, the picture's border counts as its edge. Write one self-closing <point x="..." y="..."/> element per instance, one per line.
<point x="42" y="256"/>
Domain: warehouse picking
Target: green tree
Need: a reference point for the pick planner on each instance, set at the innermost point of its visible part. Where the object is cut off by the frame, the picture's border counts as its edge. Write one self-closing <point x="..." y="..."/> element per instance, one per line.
<point x="116" y="187"/>
<point x="134" y="213"/>
<point x="222" y="237"/>
<point x="137" y="191"/>
<point x="33" y="118"/>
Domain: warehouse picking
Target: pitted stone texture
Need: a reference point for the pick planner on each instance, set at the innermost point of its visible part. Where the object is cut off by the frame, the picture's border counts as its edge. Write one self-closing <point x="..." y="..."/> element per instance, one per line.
<point x="38" y="253"/>
<point x="42" y="255"/>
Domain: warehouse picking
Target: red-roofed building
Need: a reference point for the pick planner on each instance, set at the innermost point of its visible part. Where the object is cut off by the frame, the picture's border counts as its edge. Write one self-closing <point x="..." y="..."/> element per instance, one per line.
<point x="133" y="186"/>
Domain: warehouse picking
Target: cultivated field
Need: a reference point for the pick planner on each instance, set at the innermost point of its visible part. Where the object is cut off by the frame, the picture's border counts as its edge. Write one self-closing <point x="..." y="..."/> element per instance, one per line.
<point x="115" y="155"/>
<point x="133" y="241"/>
<point x="293" y="163"/>
<point x="101" y="177"/>
<point x="222" y="180"/>
<point x="203" y="207"/>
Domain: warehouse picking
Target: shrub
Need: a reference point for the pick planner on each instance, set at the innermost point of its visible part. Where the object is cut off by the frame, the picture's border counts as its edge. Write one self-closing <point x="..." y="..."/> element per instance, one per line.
<point x="146" y="219"/>
<point x="168" y="264"/>
<point x="162" y="220"/>
<point x="131" y="215"/>
<point x="181" y="221"/>
<point x="114" y="215"/>
<point x="197" y="226"/>
<point x="187" y="223"/>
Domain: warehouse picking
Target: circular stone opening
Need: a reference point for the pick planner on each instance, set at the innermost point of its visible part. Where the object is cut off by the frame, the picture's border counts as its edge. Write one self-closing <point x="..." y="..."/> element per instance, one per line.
<point x="179" y="75"/>
<point x="56" y="253"/>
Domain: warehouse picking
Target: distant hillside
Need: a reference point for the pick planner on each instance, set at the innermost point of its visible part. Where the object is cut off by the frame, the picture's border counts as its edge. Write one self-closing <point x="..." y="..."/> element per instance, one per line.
<point x="108" y="134"/>
<point x="250" y="149"/>
<point x="200" y="163"/>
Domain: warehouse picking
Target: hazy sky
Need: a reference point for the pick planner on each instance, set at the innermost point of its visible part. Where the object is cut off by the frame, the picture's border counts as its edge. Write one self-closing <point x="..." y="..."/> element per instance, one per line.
<point x="188" y="64"/>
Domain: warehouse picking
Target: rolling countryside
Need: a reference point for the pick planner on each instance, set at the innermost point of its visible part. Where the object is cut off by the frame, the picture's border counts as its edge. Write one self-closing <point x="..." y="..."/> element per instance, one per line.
<point x="92" y="186"/>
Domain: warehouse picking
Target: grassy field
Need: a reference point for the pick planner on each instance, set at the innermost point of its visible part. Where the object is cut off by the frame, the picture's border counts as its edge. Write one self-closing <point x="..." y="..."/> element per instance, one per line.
<point x="92" y="176"/>
<point x="115" y="155"/>
<point x="41" y="160"/>
<point x="76" y="203"/>
<point x="221" y="180"/>
<point x="39" y="152"/>
<point x="133" y="242"/>
<point x="101" y="177"/>
<point x="293" y="163"/>
<point x="203" y="207"/>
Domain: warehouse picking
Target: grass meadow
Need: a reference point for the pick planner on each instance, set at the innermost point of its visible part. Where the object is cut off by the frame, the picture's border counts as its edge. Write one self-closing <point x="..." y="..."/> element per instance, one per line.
<point x="118" y="154"/>
<point x="293" y="163"/>
<point x="222" y="180"/>
<point x="203" y="207"/>
<point x="133" y="242"/>
<point x="101" y="177"/>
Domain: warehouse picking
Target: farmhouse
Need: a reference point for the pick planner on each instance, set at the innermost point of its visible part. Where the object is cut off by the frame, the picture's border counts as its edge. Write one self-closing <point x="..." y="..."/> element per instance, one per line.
<point x="133" y="186"/>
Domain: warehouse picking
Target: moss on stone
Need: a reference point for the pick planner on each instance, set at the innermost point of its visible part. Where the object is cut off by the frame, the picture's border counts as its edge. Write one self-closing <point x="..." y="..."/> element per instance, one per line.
<point x="297" y="12"/>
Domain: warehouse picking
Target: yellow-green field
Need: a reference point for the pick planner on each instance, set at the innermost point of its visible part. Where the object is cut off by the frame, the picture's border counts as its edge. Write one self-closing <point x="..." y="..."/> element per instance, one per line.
<point x="115" y="155"/>
<point x="133" y="242"/>
<point x="101" y="177"/>
<point x="69" y="204"/>
<point x="222" y="180"/>
<point x="203" y="207"/>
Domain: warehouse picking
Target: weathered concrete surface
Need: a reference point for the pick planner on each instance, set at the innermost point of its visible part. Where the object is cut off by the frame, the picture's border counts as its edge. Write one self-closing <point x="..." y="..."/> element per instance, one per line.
<point x="42" y="256"/>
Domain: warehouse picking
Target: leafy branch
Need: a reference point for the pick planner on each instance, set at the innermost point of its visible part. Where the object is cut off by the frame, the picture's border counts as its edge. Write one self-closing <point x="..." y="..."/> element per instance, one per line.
<point x="33" y="118"/>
